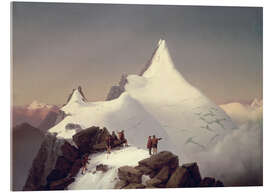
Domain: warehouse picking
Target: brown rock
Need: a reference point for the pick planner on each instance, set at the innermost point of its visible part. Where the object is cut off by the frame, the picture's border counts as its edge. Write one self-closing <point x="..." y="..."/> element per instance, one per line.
<point x="208" y="182"/>
<point x="159" y="160"/>
<point x="219" y="184"/>
<point x="120" y="184"/>
<point x="75" y="168"/>
<point x="163" y="174"/>
<point x="61" y="184"/>
<point x="102" y="167"/>
<point x="144" y="169"/>
<point x="134" y="186"/>
<point x="70" y="152"/>
<point x="130" y="174"/>
<point x="63" y="164"/>
<point x="179" y="178"/>
<point x="153" y="182"/>
<point x="99" y="147"/>
<point x="194" y="174"/>
<point x="86" y="138"/>
<point x="55" y="175"/>
<point x="153" y="173"/>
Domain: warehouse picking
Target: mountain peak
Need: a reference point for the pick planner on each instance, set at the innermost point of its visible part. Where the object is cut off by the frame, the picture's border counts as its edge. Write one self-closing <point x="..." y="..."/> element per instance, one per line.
<point x="76" y="96"/>
<point x="160" y="61"/>
<point x="38" y="105"/>
<point x="256" y="103"/>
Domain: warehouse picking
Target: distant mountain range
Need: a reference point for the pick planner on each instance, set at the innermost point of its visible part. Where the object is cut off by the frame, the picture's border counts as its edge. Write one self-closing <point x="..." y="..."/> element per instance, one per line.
<point x="37" y="114"/>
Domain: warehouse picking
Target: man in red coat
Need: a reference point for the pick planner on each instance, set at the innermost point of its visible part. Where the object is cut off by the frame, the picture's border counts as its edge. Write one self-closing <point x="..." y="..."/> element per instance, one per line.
<point x="149" y="145"/>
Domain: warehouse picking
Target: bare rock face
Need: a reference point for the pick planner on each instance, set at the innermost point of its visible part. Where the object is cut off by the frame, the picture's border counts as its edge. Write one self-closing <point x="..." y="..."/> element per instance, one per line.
<point x="179" y="178"/>
<point x="130" y="174"/>
<point x="153" y="182"/>
<point x="75" y="168"/>
<point x="134" y="186"/>
<point x="85" y="139"/>
<point x="116" y="91"/>
<point x="159" y="160"/>
<point x="194" y="173"/>
<point x="61" y="184"/>
<point x="63" y="164"/>
<point x="208" y="182"/>
<point x="163" y="174"/>
<point x="44" y="162"/>
<point x="120" y="184"/>
<point x="144" y="169"/>
<point x="70" y="152"/>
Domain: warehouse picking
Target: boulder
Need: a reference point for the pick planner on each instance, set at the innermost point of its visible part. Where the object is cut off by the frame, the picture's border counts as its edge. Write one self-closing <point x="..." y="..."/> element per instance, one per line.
<point x="86" y="138"/>
<point x="153" y="182"/>
<point x="179" y="178"/>
<point x="144" y="169"/>
<point x="219" y="184"/>
<point x="208" y="182"/>
<point x="194" y="174"/>
<point x="130" y="174"/>
<point x="120" y="184"/>
<point x="55" y="175"/>
<point x="75" y="168"/>
<point x="63" y="164"/>
<point x="102" y="135"/>
<point x="153" y="173"/>
<point x="61" y="184"/>
<point x="159" y="160"/>
<point x="70" y="152"/>
<point x="163" y="174"/>
<point x="134" y="186"/>
<point x="102" y="167"/>
<point x="99" y="147"/>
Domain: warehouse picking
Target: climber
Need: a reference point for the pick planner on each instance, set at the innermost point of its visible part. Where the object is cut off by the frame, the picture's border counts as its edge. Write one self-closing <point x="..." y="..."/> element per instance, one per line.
<point x="155" y="143"/>
<point x="84" y="163"/>
<point x="149" y="145"/>
<point x="122" y="138"/>
<point x="114" y="137"/>
<point x="109" y="143"/>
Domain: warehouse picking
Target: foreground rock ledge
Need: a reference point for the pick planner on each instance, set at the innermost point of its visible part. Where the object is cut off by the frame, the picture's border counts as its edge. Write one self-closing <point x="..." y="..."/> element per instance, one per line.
<point x="164" y="172"/>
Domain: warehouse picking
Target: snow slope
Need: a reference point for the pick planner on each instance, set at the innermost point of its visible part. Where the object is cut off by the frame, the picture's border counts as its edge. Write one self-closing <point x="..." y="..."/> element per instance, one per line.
<point x="97" y="179"/>
<point x="159" y="102"/>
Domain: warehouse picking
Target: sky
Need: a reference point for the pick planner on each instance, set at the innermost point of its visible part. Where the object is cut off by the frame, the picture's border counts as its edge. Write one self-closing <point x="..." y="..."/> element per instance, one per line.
<point x="56" y="47"/>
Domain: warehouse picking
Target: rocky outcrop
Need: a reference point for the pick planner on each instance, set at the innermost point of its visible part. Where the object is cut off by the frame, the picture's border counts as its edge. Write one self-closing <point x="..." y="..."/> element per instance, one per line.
<point x="85" y="139"/>
<point x="102" y="167"/>
<point x="116" y="91"/>
<point x="130" y="174"/>
<point x="70" y="152"/>
<point x="43" y="163"/>
<point x="58" y="162"/>
<point x="164" y="172"/>
<point x="157" y="161"/>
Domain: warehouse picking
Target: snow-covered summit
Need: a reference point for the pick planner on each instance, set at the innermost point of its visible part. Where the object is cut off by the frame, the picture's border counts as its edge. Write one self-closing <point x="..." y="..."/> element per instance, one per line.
<point x="159" y="101"/>
<point x="256" y="103"/>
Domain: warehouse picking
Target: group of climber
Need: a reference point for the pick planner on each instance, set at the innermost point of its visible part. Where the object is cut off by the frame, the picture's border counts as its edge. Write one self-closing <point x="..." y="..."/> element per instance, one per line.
<point x="152" y="143"/>
<point x="111" y="138"/>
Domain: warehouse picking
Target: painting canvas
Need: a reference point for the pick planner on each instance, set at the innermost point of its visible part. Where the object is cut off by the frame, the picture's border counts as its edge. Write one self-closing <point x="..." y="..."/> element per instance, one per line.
<point x="122" y="96"/>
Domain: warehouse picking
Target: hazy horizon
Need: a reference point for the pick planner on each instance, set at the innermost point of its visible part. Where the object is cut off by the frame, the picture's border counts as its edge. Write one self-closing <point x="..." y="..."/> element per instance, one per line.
<point x="59" y="46"/>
